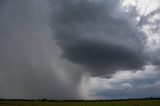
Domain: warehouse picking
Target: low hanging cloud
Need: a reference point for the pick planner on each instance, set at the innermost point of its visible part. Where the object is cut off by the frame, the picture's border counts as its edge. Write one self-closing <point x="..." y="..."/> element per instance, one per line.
<point x="98" y="36"/>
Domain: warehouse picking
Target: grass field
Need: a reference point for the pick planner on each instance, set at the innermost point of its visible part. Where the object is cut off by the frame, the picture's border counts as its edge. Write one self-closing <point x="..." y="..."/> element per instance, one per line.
<point x="108" y="103"/>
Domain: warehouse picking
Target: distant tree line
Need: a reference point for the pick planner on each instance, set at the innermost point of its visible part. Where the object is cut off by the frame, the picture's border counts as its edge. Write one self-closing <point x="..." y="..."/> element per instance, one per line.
<point x="82" y="100"/>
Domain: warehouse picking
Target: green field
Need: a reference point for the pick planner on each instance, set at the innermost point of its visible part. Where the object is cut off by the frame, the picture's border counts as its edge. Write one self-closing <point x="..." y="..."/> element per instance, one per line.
<point x="108" y="103"/>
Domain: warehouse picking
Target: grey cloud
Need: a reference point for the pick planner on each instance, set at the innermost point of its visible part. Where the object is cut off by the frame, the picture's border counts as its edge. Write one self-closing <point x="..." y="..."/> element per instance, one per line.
<point x="98" y="36"/>
<point x="154" y="30"/>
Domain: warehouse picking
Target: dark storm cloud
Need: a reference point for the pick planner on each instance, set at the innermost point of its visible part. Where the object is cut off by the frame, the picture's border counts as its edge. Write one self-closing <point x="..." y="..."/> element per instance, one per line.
<point x="95" y="34"/>
<point x="99" y="56"/>
<point x="48" y="46"/>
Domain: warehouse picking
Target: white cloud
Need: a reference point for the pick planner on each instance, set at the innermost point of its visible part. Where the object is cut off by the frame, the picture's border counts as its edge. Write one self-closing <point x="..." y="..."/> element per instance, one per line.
<point x="126" y="84"/>
<point x="147" y="15"/>
<point x="144" y="7"/>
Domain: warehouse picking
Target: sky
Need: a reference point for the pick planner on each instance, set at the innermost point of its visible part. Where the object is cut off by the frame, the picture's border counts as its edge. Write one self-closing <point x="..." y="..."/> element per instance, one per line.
<point x="74" y="49"/>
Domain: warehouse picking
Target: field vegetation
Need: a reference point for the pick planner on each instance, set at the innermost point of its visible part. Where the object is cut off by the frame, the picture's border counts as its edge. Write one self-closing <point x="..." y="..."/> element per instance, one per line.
<point x="80" y="103"/>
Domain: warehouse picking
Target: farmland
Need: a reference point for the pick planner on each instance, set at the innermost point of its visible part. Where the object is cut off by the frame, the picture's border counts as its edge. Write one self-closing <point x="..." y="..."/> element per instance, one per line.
<point x="82" y="103"/>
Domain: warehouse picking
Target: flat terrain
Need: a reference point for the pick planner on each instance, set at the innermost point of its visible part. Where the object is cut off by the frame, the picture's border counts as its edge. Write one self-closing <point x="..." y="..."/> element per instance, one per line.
<point x="102" y="103"/>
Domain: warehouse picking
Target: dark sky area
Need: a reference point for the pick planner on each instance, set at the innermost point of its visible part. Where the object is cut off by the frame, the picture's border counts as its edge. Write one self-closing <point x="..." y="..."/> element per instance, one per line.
<point x="73" y="49"/>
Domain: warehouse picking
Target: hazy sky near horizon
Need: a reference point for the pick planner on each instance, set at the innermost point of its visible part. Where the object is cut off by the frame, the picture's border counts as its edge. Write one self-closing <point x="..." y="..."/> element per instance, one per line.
<point x="73" y="49"/>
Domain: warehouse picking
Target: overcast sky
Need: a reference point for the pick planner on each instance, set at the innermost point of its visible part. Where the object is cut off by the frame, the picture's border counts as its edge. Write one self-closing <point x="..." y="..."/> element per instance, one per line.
<point x="73" y="49"/>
